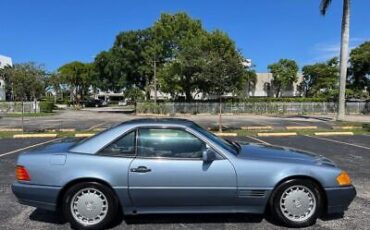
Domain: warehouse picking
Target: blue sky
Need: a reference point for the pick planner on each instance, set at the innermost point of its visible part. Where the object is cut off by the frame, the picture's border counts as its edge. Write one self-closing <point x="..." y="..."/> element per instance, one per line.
<point x="55" y="32"/>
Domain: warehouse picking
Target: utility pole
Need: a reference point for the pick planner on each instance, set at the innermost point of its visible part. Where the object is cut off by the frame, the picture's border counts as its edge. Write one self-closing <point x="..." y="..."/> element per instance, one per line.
<point x="155" y="80"/>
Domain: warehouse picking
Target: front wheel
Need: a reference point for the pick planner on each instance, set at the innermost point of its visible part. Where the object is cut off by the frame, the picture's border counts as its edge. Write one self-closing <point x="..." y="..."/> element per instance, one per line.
<point x="89" y="206"/>
<point x="297" y="203"/>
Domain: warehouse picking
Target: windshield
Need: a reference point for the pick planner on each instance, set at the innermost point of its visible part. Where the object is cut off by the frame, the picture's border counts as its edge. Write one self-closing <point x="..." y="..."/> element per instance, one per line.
<point x="220" y="141"/>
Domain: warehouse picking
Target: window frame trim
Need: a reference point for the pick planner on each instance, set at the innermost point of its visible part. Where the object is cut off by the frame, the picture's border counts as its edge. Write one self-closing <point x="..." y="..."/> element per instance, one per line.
<point x="186" y="130"/>
<point x="99" y="152"/>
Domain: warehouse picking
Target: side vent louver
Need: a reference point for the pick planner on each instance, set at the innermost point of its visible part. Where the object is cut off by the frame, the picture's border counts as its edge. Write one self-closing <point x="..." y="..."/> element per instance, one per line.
<point x="252" y="193"/>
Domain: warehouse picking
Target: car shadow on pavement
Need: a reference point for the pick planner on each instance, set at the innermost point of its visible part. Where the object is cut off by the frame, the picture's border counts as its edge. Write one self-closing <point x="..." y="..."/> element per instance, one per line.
<point x="47" y="217"/>
<point x="51" y="217"/>
<point x="147" y="219"/>
<point x="192" y="218"/>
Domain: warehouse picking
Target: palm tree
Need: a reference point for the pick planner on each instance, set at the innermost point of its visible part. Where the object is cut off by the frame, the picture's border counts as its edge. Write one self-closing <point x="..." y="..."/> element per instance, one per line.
<point x="344" y="50"/>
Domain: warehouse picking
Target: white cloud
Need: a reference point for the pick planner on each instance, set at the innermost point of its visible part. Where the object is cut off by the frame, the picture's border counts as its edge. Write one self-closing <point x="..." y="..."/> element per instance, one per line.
<point x="324" y="51"/>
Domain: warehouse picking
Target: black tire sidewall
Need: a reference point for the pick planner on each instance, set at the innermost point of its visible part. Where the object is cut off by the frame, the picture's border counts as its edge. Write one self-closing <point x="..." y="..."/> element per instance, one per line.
<point x="109" y="194"/>
<point x="276" y="203"/>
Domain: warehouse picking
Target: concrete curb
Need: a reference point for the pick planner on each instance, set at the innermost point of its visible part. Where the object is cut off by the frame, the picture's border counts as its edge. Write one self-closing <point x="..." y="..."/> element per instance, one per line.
<point x="276" y="134"/>
<point x="256" y="127"/>
<point x="300" y="127"/>
<point x="39" y="135"/>
<point x="226" y="134"/>
<point x="84" y="134"/>
<point x="333" y="133"/>
<point x="10" y="130"/>
<point x="61" y="130"/>
<point x="99" y="129"/>
<point x="67" y="130"/>
<point x="347" y="127"/>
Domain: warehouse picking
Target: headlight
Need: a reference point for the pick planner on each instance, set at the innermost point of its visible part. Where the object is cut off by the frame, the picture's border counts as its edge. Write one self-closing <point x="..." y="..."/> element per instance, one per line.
<point x="344" y="179"/>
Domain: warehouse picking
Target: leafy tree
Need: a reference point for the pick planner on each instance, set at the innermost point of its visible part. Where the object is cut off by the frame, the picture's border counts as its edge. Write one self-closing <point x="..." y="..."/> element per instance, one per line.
<point x="222" y="71"/>
<point x="320" y="79"/>
<point x="360" y="67"/>
<point x="109" y="72"/>
<point x="250" y="81"/>
<point x="184" y="53"/>
<point x="284" y="74"/>
<point x="25" y="81"/>
<point x="79" y="77"/>
<point x="344" y="50"/>
<point x="180" y="39"/>
<point x="134" y="95"/>
<point x="128" y="63"/>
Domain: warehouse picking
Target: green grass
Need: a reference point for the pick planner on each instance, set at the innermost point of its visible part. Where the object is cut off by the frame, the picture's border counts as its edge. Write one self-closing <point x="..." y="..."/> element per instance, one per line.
<point x="29" y="114"/>
<point x="8" y="134"/>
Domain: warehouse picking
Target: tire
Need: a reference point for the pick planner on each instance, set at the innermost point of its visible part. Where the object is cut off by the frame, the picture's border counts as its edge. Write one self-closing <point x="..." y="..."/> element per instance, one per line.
<point x="92" y="201"/>
<point x="296" y="203"/>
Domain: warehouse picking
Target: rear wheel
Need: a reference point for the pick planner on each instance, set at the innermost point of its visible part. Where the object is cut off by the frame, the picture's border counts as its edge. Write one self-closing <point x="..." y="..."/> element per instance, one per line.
<point x="89" y="206"/>
<point x="297" y="203"/>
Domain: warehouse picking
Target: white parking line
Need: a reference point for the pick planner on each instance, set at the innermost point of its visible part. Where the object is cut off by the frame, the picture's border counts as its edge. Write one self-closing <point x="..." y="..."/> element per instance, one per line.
<point x="28" y="147"/>
<point x="259" y="140"/>
<point x="97" y="125"/>
<point x="341" y="142"/>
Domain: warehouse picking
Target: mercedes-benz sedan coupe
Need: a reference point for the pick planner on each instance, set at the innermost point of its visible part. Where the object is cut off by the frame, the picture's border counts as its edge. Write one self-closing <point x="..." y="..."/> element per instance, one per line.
<point x="175" y="166"/>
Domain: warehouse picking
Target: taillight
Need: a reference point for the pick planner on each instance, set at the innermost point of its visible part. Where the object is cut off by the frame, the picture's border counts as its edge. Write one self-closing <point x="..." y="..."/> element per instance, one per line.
<point x="22" y="174"/>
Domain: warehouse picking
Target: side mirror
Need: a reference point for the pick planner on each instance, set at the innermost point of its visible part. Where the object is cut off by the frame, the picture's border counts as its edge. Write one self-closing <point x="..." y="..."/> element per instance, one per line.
<point x="209" y="155"/>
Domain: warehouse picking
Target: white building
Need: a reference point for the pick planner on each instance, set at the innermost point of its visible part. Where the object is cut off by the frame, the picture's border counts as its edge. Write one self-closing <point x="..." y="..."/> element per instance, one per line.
<point x="4" y="61"/>
<point x="265" y="88"/>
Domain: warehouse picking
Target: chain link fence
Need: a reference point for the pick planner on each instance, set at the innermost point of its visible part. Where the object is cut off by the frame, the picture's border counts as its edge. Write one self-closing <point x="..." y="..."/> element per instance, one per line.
<point x="16" y="107"/>
<point x="300" y="108"/>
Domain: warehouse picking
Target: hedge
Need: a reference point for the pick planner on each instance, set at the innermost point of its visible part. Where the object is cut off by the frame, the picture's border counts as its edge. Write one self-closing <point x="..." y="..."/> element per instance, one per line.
<point x="46" y="106"/>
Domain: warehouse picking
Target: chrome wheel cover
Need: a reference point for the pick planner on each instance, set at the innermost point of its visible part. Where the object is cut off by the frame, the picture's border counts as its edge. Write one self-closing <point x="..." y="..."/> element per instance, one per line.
<point x="298" y="203"/>
<point x="89" y="206"/>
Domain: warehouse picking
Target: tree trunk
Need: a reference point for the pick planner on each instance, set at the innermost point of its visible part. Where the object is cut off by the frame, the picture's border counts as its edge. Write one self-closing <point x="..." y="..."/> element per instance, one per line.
<point x="188" y="95"/>
<point x="277" y="92"/>
<point x="248" y="88"/>
<point x="22" y="115"/>
<point x="344" y="50"/>
<point x="220" y="115"/>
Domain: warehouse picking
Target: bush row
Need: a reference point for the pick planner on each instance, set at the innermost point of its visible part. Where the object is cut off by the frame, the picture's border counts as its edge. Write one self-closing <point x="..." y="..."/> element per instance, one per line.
<point x="47" y="106"/>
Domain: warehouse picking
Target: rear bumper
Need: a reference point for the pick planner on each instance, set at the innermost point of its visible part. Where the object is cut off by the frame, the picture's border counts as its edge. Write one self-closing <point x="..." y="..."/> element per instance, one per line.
<point x="44" y="197"/>
<point x="339" y="198"/>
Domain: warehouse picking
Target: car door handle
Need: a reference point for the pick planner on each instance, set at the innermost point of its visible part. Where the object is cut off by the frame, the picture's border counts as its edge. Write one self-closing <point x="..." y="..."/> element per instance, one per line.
<point x="141" y="169"/>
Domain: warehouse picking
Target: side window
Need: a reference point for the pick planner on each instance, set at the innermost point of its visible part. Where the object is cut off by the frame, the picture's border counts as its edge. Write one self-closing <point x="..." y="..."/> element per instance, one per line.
<point x="124" y="146"/>
<point x="170" y="143"/>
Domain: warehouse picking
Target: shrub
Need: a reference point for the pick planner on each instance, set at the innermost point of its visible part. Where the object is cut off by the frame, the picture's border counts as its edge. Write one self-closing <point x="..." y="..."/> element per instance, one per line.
<point x="47" y="106"/>
<point x="150" y="107"/>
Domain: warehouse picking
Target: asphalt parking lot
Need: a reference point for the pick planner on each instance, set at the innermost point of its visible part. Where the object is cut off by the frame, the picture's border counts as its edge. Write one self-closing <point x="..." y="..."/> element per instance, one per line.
<point x="89" y="120"/>
<point x="351" y="153"/>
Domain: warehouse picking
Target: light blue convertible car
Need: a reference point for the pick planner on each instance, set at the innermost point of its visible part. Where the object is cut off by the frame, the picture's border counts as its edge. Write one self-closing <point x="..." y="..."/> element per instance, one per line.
<point x="174" y="166"/>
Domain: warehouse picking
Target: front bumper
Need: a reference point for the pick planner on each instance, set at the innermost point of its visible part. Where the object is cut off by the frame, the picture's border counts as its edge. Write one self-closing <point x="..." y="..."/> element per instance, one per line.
<point x="44" y="197"/>
<point x="339" y="198"/>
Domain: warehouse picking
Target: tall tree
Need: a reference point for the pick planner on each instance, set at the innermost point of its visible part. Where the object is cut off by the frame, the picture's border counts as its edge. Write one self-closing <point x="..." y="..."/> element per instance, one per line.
<point x="180" y="38"/>
<point x="26" y="81"/>
<point x="344" y="50"/>
<point x="79" y="77"/>
<point x="129" y="63"/>
<point x="284" y="74"/>
<point x="320" y="79"/>
<point x="360" y="68"/>
<point x="223" y="71"/>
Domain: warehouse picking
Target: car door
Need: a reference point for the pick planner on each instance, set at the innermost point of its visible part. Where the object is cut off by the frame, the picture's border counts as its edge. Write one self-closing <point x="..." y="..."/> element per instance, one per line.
<point x="169" y="173"/>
